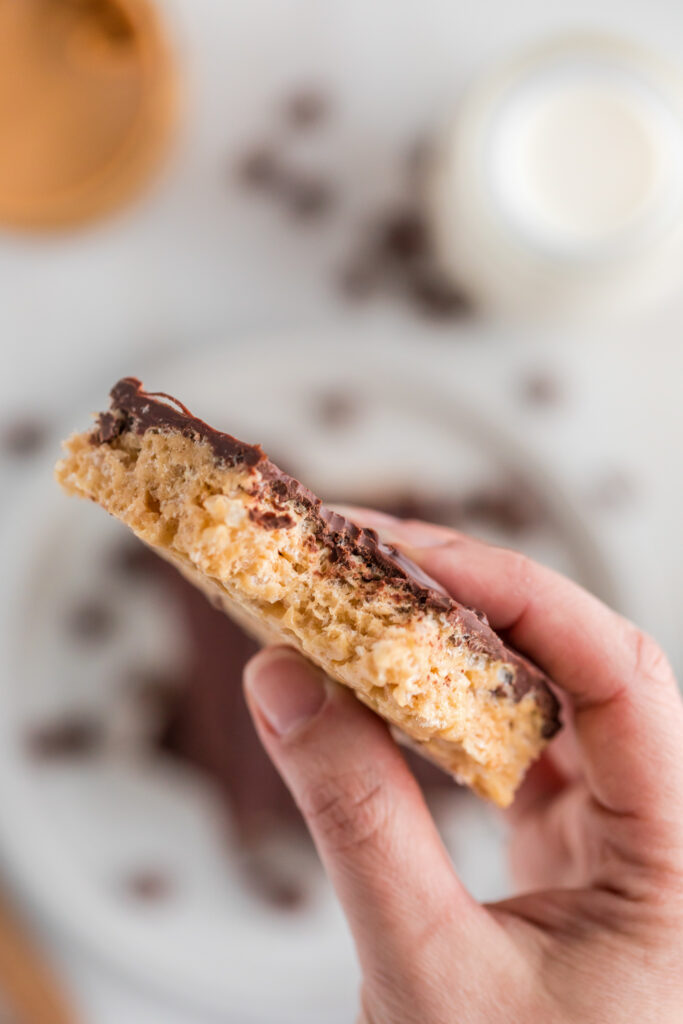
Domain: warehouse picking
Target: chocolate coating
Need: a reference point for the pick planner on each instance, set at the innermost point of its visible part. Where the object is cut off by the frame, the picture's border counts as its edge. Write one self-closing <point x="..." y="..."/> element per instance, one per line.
<point x="133" y="409"/>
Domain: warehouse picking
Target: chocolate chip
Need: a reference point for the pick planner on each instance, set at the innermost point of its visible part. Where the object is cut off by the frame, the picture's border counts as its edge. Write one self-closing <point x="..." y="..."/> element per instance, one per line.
<point x="512" y="508"/>
<point x="541" y="389"/>
<point x="359" y="279"/>
<point x="307" y="197"/>
<point x="336" y="409"/>
<point x="403" y="235"/>
<point x="23" y="437"/>
<point x="274" y="888"/>
<point x="91" y="621"/>
<point x="258" y="168"/>
<point x="148" y="885"/>
<point x="68" y="737"/>
<point x="132" y="558"/>
<point x="437" y="298"/>
<point x="307" y="108"/>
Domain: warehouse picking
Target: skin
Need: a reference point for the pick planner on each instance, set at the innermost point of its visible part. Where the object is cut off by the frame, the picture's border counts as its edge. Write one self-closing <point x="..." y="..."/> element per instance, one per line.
<point x="596" y="833"/>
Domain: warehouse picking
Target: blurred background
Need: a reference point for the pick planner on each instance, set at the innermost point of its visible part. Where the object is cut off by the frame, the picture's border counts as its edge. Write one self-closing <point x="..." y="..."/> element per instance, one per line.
<point x="431" y="256"/>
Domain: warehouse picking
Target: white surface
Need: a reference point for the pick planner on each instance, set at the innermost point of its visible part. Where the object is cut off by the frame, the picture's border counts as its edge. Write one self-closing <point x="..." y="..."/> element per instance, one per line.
<point x="194" y="260"/>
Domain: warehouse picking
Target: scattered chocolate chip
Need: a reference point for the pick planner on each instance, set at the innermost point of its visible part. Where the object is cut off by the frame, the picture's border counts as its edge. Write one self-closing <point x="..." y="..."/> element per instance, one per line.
<point x="23" y="437"/>
<point x="91" y="621"/>
<point x="307" y="108"/>
<point x="359" y="279"/>
<point x="273" y="887"/>
<point x="306" y="197"/>
<point x="132" y="558"/>
<point x="155" y="690"/>
<point x="68" y="737"/>
<point x="437" y="298"/>
<point x="614" y="489"/>
<point x="258" y="168"/>
<point x="541" y="389"/>
<point x="148" y="885"/>
<point x="514" y="508"/>
<point x="335" y="409"/>
<point x="403" y="236"/>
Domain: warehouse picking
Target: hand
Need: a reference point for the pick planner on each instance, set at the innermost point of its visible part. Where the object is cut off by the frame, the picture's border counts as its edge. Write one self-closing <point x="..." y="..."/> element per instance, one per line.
<point x="596" y="831"/>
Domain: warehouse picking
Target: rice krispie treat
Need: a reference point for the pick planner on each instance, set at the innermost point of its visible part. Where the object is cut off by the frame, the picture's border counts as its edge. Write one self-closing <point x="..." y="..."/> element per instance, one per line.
<point x="270" y="554"/>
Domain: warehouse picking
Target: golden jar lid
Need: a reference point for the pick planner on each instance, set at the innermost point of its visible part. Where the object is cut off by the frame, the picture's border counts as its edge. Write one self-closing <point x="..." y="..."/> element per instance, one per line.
<point x="87" y="102"/>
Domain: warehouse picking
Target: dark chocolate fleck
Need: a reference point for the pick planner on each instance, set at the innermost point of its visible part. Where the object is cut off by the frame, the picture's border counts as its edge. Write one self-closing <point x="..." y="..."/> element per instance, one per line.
<point x="271" y="520"/>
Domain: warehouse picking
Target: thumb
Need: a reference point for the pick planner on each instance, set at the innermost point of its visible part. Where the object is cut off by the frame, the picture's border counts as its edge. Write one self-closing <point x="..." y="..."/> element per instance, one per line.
<point x="365" y="812"/>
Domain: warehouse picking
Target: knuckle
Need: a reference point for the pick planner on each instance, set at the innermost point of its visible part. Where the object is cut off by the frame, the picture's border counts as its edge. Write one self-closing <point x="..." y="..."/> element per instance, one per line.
<point x="649" y="660"/>
<point x="349" y="811"/>
<point x="520" y="566"/>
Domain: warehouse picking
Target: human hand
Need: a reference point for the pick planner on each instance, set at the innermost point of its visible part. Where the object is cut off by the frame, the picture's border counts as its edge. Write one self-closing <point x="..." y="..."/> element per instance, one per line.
<point x="596" y="830"/>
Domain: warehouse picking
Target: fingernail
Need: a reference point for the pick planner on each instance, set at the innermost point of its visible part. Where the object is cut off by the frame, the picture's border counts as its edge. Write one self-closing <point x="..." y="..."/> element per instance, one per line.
<point x="285" y="688"/>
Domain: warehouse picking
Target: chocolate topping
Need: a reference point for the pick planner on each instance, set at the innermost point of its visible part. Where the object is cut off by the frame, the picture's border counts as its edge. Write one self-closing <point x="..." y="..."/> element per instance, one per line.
<point x="133" y="409"/>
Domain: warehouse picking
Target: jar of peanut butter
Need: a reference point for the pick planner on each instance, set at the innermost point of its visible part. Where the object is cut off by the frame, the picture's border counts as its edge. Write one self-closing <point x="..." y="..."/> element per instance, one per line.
<point x="87" y="104"/>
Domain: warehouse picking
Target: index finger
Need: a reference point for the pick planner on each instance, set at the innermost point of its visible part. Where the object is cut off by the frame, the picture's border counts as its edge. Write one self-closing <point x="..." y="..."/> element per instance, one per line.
<point x="627" y="709"/>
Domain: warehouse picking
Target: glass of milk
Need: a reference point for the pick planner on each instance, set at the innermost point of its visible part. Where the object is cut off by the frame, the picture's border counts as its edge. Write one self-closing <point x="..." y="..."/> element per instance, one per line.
<point x="558" y="185"/>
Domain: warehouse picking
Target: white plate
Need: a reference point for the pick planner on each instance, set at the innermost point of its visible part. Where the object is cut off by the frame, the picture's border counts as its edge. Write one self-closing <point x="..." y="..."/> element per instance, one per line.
<point x="68" y="833"/>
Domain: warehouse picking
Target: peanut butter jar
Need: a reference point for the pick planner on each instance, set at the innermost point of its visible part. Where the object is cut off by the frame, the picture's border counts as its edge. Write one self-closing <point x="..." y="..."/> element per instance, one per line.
<point x="88" y="100"/>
